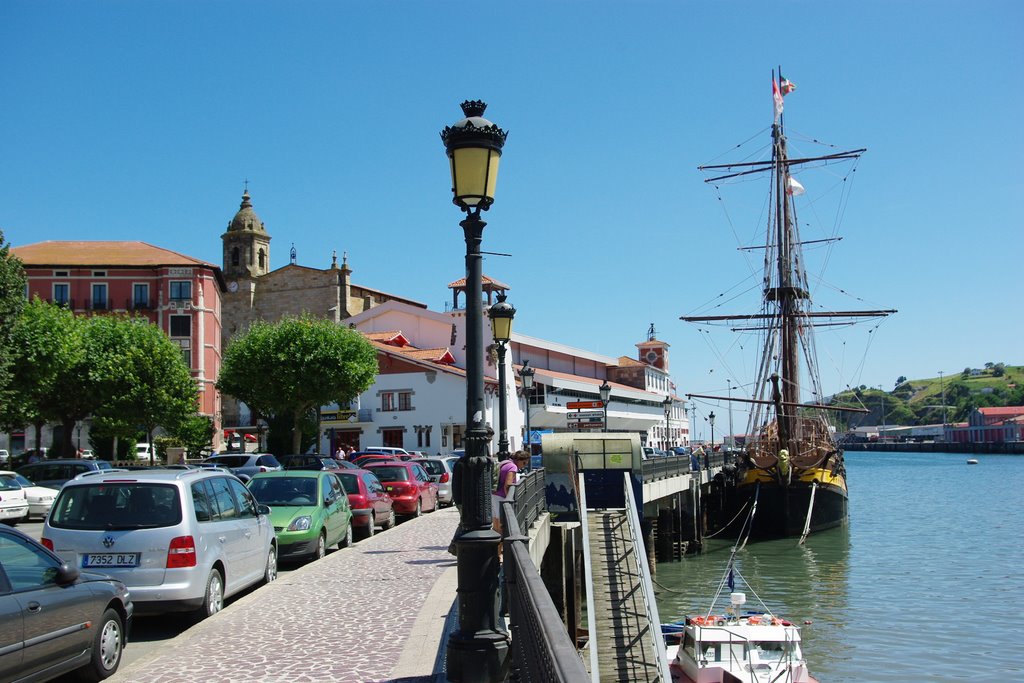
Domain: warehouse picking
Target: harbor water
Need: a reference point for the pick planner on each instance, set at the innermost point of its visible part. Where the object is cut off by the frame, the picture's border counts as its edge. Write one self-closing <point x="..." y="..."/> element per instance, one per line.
<point x="925" y="584"/>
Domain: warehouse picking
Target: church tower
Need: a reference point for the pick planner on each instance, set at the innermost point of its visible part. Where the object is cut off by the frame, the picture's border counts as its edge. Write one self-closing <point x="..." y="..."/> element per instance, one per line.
<point x="653" y="352"/>
<point x="246" y="244"/>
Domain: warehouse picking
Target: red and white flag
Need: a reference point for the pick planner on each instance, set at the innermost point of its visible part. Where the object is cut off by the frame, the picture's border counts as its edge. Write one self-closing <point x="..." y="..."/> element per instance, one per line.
<point x="777" y="97"/>
<point x="787" y="86"/>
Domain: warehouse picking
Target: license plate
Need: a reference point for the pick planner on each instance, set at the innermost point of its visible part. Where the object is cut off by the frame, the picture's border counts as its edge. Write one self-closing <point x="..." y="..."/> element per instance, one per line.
<point x="111" y="560"/>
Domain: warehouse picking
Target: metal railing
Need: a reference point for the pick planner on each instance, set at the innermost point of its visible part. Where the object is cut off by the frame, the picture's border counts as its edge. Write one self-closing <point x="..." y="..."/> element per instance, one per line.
<point x="678" y="465"/>
<point x="657" y="647"/>
<point x="588" y="576"/>
<point x="529" y="498"/>
<point x="542" y="650"/>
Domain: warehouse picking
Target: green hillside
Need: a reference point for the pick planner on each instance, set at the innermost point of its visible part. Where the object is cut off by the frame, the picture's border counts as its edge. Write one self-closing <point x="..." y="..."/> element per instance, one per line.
<point x="920" y="401"/>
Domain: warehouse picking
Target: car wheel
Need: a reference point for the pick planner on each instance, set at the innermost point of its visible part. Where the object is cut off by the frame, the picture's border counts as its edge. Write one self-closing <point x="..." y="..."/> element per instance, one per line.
<point x="346" y="542"/>
<point x="371" y="527"/>
<point x="390" y="524"/>
<point x="107" y="647"/>
<point x="213" y="601"/>
<point x="321" y="546"/>
<point x="270" y="571"/>
<point x="419" y="508"/>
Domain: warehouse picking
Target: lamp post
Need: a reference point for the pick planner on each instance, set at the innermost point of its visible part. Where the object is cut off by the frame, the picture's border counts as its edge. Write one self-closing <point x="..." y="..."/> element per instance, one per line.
<point x="667" y="405"/>
<point x="526" y="375"/>
<point x="711" y="419"/>
<point x="478" y="651"/>
<point x="605" y="391"/>
<point x="501" y="314"/>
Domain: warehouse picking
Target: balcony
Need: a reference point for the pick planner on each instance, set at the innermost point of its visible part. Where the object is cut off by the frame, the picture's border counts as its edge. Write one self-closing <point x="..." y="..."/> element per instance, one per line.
<point x="97" y="304"/>
<point x="140" y="305"/>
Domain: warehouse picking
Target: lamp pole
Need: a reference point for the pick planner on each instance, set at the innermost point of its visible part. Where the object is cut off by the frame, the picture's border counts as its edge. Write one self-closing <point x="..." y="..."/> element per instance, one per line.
<point x="478" y="652"/>
<point x="711" y="419"/>
<point x="605" y="392"/>
<point x="732" y="434"/>
<point x="943" y="387"/>
<point x="526" y="375"/>
<point x="501" y="314"/>
<point x="667" y="405"/>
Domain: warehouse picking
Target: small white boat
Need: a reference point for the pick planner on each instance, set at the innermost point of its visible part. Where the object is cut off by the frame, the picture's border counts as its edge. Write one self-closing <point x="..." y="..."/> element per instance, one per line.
<point x="749" y="648"/>
<point x="972" y="461"/>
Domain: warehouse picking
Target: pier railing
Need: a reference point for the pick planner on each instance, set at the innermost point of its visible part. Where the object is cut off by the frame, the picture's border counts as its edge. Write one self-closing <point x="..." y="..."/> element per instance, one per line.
<point x="542" y="650"/>
<point x="530" y="502"/>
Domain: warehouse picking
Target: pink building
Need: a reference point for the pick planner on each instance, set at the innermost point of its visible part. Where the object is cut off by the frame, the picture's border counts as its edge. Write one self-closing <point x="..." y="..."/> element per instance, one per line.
<point x="177" y="293"/>
<point x="991" y="425"/>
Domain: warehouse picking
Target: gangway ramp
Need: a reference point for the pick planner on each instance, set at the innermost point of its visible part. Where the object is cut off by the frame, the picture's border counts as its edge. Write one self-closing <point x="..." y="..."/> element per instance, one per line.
<point x="625" y="631"/>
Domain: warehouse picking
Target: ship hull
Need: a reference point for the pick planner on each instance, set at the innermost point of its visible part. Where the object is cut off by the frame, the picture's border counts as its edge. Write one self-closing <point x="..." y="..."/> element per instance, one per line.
<point x="782" y="509"/>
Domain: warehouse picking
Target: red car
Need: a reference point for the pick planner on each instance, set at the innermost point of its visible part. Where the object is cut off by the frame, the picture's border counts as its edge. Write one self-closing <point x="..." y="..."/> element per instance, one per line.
<point x="363" y="459"/>
<point x="371" y="505"/>
<point x="411" y="490"/>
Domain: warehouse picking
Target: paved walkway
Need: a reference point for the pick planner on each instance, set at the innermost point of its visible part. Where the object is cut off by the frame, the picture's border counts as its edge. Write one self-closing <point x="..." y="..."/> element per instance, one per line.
<point x="379" y="611"/>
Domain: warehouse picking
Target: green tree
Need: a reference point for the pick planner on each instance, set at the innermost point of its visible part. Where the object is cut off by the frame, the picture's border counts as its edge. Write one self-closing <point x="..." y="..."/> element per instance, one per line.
<point x="195" y="434"/>
<point x="12" y="301"/>
<point x="901" y="379"/>
<point x="139" y="373"/>
<point x="289" y="368"/>
<point x="50" y="382"/>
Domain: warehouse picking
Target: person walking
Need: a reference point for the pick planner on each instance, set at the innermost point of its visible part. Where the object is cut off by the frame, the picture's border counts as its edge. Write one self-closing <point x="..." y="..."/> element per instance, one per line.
<point x="508" y="475"/>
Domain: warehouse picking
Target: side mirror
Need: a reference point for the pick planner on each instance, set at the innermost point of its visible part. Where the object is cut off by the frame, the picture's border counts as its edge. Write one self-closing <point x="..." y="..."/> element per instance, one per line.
<point x="66" y="574"/>
<point x="262" y="509"/>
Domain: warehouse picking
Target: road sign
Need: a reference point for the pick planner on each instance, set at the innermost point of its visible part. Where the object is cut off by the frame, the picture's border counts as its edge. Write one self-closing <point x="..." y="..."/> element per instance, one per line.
<point x="575" y="405"/>
<point x="587" y="425"/>
<point x="587" y="414"/>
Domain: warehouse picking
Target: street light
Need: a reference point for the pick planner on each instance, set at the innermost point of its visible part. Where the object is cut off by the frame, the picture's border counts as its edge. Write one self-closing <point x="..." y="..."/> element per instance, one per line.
<point x="667" y="405"/>
<point x="478" y="650"/>
<point x="501" y="314"/>
<point x="605" y="391"/>
<point x="711" y="419"/>
<point x="526" y="375"/>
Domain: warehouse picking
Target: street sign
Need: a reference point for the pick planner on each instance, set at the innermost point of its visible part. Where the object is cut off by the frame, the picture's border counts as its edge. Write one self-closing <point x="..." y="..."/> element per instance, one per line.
<point x="587" y="414"/>
<point x="576" y="405"/>
<point x="587" y="425"/>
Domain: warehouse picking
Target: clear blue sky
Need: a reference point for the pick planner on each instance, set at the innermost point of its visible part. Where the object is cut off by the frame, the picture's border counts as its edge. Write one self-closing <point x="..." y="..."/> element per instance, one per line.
<point x="140" y="120"/>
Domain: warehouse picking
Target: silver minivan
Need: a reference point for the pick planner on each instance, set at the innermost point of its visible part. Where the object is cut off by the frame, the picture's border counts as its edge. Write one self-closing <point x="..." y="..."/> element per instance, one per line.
<point x="181" y="540"/>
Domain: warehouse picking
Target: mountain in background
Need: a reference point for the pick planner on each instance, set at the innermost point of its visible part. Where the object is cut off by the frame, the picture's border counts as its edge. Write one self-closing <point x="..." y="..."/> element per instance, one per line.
<point x="920" y="401"/>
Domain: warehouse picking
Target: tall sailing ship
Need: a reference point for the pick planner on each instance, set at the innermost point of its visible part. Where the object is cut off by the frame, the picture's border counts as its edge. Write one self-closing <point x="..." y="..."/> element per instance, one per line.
<point x="791" y="468"/>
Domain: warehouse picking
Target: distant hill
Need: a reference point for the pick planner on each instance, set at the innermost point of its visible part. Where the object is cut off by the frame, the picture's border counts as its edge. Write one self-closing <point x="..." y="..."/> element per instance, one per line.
<point x="920" y="401"/>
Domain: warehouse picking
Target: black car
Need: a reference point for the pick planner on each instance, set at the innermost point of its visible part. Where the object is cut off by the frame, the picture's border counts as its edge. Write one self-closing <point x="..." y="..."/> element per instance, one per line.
<point x="54" y="618"/>
<point x="55" y="473"/>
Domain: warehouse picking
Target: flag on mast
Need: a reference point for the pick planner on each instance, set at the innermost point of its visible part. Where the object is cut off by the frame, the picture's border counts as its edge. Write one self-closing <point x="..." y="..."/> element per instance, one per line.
<point x="793" y="187"/>
<point x="777" y="97"/>
<point x="787" y="86"/>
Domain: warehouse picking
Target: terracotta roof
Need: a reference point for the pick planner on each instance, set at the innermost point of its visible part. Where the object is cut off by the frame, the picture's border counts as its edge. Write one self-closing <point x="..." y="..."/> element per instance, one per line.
<point x="489" y="283"/>
<point x="626" y="361"/>
<point x="391" y="337"/>
<point x="101" y="253"/>
<point x="1007" y="411"/>
<point x="440" y="355"/>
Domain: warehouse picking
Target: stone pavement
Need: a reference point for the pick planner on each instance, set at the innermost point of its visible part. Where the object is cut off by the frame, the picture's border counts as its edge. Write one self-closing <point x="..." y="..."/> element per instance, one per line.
<point x="379" y="611"/>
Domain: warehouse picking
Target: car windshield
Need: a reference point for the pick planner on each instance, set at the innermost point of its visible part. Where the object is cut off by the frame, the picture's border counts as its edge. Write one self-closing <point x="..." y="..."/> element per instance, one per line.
<point x="432" y="466"/>
<point x="22" y="480"/>
<point x="103" y="465"/>
<point x="349" y="481"/>
<point x="9" y="483"/>
<point x="228" y="460"/>
<point x="391" y="473"/>
<point x="294" y="491"/>
<point x="120" y="505"/>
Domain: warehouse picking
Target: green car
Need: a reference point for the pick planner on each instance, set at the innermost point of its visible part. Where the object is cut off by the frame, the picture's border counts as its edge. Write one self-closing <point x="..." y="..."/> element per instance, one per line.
<point x="309" y="511"/>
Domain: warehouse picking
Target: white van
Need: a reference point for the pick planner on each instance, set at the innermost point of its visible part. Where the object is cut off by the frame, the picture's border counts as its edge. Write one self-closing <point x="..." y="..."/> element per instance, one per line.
<point x="143" y="451"/>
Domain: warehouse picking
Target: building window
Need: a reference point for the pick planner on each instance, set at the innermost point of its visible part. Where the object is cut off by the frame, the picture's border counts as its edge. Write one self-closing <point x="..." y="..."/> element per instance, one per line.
<point x="186" y="351"/>
<point x="405" y="400"/>
<point x="457" y="436"/>
<point x="140" y="296"/>
<point x="423" y="436"/>
<point x="234" y="256"/>
<point x="263" y="258"/>
<point x="387" y="401"/>
<point x="60" y="294"/>
<point x="181" y="290"/>
<point x="181" y="326"/>
<point x="99" y="297"/>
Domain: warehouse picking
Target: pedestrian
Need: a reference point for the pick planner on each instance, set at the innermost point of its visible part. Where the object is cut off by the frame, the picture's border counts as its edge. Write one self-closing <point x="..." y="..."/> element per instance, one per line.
<point x="339" y="453"/>
<point x="508" y="475"/>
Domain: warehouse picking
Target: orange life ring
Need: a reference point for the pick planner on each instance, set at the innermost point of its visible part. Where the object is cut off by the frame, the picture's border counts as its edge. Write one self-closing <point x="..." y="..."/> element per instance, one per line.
<point x="754" y="620"/>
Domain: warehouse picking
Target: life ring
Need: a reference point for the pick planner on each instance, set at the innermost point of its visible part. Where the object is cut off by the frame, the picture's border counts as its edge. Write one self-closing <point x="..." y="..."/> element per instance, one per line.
<point x="754" y="620"/>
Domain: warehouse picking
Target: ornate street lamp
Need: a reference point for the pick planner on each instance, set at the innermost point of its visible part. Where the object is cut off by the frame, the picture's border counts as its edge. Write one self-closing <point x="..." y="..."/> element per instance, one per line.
<point x="711" y="419"/>
<point x="501" y="314"/>
<point x="606" y="395"/>
<point x="478" y="650"/>
<point x="526" y="375"/>
<point x="667" y="405"/>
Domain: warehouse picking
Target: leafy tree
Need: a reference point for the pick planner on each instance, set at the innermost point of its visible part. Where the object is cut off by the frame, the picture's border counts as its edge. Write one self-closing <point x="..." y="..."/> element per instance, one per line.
<point x="50" y="381"/>
<point x="966" y="373"/>
<point x="12" y="301"/>
<point x="195" y="433"/>
<point x="289" y="368"/>
<point x="988" y="366"/>
<point x="900" y="380"/>
<point x="998" y="370"/>
<point x="139" y="373"/>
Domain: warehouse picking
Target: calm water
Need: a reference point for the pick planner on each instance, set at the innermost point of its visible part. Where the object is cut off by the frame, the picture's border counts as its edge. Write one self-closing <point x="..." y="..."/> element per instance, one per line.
<point x="926" y="583"/>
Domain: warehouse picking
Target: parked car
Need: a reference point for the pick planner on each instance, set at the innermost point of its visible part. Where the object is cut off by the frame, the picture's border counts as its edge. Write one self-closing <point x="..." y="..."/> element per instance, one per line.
<point x="145" y="451"/>
<point x="13" y="502"/>
<point x="45" y="604"/>
<point x="371" y="505"/>
<point x="87" y="454"/>
<point x="54" y="473"/>
<point x="4" y="456"/>
<point x="411" y="490"/>
<point x="309" y="510"/>
<point x="440" y="473"/>
<point x="363" y="459"/>
<point x="245" y="465"/>
<point x="312" y="462"/>
<point x="181" y="540"/>
<point x="386" y="450"/>
<point x="40" y="498"/>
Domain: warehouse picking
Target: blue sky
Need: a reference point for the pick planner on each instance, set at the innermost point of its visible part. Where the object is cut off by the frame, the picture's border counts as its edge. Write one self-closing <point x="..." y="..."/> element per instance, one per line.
<point x="140" y="120"/>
